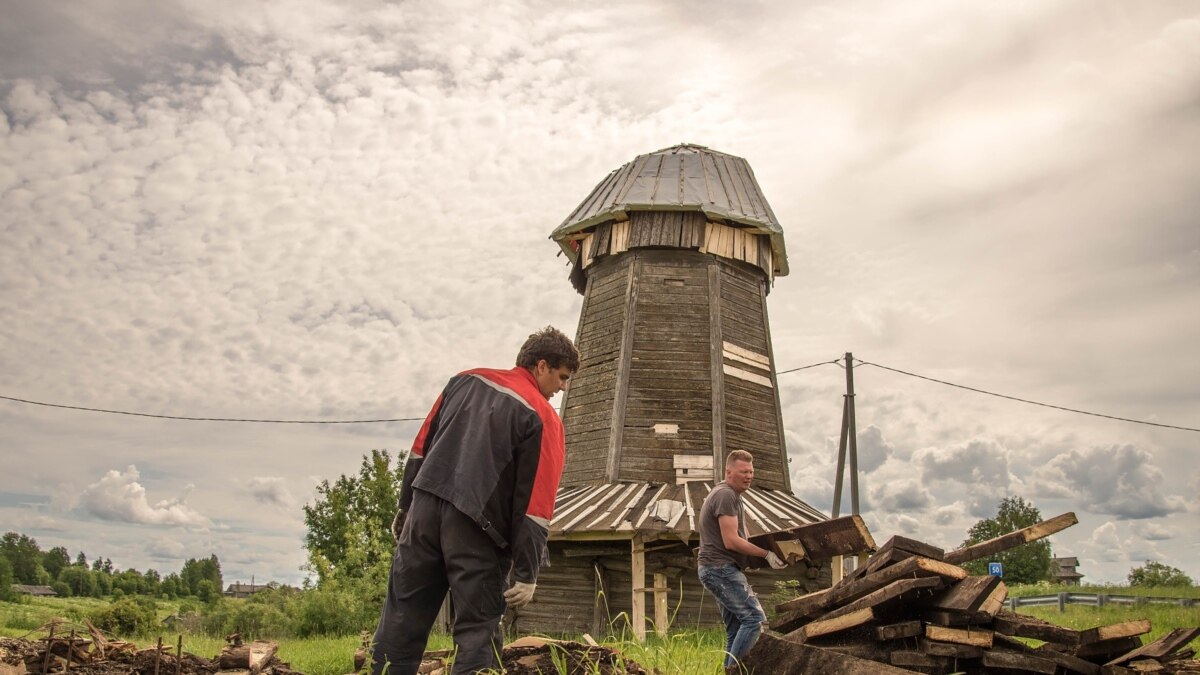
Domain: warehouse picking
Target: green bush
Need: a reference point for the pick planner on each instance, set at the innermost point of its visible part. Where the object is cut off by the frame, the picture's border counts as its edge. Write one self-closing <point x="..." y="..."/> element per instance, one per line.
<point x="62" y="589"/>
<point x="127" y="616"/>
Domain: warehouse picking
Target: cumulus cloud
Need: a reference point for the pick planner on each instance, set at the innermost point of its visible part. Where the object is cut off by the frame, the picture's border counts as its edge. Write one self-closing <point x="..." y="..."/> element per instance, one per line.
<point x="1118" y="480"/>
<point x="901" y="495"/>
<point x="1153" y="531"/>
<point x="873" y="449"/>
<point x="164" y="548"/>
<point x="270" y="490"/>
<point x="118" y="496"/>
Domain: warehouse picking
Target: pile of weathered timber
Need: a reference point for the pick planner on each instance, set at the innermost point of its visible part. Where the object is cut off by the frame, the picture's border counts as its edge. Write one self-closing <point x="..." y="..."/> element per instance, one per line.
<point x="912" y="608"/>
<point x="86" y="650"/>
<point x="538" y="656"/>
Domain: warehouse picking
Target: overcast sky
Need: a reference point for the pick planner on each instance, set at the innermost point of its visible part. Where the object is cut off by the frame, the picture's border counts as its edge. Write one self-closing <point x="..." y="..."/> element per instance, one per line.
<point x="319" y="210"/>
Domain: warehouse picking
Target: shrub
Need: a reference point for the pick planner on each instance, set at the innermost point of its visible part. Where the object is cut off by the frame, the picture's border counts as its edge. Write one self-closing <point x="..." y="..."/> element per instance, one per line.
<point x="63" y="590"/>
<point x="127" y="616"/>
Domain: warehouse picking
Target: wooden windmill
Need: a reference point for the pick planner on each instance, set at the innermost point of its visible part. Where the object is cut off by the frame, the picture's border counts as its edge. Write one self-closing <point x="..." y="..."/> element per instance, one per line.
<point x="674" y="254"/>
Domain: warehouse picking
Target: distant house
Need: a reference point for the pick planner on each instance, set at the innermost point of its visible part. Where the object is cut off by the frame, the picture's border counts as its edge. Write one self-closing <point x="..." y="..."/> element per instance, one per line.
<point x="240" y="590"/>
<point x="39" y="591"/>
<point x="1062" y="571"/>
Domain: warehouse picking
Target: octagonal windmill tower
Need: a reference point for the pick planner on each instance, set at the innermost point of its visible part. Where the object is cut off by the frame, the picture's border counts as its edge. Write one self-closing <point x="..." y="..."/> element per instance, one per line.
<point x="674" y="253"/>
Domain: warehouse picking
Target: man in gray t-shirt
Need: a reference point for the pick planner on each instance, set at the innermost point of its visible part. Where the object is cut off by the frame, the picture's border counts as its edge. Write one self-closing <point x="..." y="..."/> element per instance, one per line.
<point x="725" y="551"/>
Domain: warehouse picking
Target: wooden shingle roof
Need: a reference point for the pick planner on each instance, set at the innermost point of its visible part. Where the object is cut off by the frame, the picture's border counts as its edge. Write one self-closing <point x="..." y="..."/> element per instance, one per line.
<point x="680" y="178"/>
<point x="656" y="510"/>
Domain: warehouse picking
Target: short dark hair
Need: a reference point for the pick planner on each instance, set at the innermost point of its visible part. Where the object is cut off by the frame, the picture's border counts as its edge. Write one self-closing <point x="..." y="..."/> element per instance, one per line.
<point x="738" y="456"/>
<point x="551" y="345"/>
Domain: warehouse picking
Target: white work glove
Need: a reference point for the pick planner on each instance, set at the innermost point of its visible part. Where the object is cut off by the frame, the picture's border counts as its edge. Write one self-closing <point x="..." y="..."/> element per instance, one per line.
<point x="775" y="561"/>
<point x="520" y="594"/>
<point x="398" y="523"/>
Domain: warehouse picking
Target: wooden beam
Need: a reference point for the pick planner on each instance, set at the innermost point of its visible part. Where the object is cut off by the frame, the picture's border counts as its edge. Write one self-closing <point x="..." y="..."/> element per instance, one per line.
<point x="902" y="589"/>
<point x="910" y="658"/>
<point x="832" y="625"/>
<point x="977" y="637"/>
<point x="777" y="656"/>
<point x="1161" y="648"/>
<point x="637" y="572"/>
<point x="951" y="649"/>
<point x="1108" y="649"/>
<point x="1025" y="663"/>
<point x="1012" y="539"/>
<point x="966" y="596"/>
<point x="898" y="631"/>
<point x="661" y="620"/>
<point x="624" y="359"/>
<point x="716" y="362"/>
<point x="1117" y="630"/>
<point x="825" y="539"/>
<point x="1023" y="625"/>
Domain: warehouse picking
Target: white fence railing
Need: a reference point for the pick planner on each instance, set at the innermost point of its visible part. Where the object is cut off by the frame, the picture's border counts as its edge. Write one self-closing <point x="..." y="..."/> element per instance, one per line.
<point x="1061" y="600"/>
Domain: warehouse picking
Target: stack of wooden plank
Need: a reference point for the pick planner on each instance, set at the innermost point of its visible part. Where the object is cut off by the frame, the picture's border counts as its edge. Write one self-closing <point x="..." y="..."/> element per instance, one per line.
<point x="912" y="608"/>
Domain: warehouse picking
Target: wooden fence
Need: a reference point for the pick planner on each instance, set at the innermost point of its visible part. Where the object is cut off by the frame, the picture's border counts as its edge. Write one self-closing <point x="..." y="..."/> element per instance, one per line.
<point x="1094" y="600"/>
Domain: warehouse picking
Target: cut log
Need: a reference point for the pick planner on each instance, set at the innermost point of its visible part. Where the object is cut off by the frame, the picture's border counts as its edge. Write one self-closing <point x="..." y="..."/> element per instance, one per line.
<point x="1116" y="630"/>
<point x="964" y="597"/>
<point x="898" y="631"/>
<point x="1025" y="663"/>
<point x="1012" y="539"/>
<point x="1023" y="625"/>
<point x="773" y="655"/>
<point x="977" y="637"/>
<point x="1162" y="648"/>
<point x="252" y="656"/>
<point x="825" y="539"/>
<point x="995" y="601"/>
<point x="893" y="551"/>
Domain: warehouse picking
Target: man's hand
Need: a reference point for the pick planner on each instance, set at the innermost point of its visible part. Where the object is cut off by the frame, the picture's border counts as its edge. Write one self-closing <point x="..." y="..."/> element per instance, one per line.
<point x="775" y="561"/>
<point x="520" y="594"/>
<point x="398" y="523"/>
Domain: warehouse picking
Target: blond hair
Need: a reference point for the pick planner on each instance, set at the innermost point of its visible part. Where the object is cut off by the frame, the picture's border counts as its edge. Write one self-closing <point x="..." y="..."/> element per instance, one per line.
<point x="738" y="456"/>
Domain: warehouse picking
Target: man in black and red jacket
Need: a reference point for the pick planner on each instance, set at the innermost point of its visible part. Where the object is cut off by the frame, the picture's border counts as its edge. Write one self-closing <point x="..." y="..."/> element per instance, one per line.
<point x="476" y="501"/>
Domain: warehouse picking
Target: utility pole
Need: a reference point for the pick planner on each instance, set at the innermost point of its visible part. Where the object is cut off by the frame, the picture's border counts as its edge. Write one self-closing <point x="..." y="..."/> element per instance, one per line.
<point x="848" y="445"/>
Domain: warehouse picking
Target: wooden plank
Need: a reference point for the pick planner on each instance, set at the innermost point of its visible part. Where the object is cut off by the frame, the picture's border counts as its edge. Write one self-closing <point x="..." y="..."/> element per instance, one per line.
<point x="911" y="658"/>
<point x="1161" y="648"/>
<point x="978" y="637"/>
<point x="1108" y="649"/>
<point x="950" y="649"/>
<point x="897" y="631"/>
<point x="965" y="596"/>
<point x="896" y="591"/>
<point x="774" y="655"/>
<point x="835" y="624"/>
<point x="1012" y="539"/>
<point x="848" y="591"/>
<point x="1025" y="663"/>
<point x="995" y="601"/>
<point x="1023" y="625"/>
<point x="838" y="536"/>
<point x="1112" y="632"/>
<point x="662" y="620"/>
<point x="638" y="580"/>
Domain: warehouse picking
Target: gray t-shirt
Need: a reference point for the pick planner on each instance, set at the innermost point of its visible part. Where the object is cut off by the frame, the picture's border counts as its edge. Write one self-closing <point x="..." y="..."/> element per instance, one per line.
<point x="722" y="501"/>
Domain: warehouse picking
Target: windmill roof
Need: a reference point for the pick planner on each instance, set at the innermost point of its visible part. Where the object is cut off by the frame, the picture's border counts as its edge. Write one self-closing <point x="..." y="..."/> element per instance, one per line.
<point x="681" y="177"/>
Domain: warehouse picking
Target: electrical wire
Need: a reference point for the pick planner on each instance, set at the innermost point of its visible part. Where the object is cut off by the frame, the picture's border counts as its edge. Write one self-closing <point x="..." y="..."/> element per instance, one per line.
<point x="210" y="419"/>
<point x="1025" y="400"/>
<point x="822" y="363"/>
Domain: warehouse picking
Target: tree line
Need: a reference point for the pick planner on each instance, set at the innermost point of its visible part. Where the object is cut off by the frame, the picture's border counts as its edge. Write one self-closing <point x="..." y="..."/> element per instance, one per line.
<point x="23" y="562"/>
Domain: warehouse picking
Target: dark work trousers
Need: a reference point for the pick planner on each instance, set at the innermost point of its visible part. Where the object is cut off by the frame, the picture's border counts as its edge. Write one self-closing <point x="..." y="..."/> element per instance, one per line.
<point x="441" y="548"/>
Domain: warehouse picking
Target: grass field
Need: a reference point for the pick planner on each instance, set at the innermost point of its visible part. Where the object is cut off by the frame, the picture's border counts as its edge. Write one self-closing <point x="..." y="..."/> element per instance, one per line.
<point x="681" y="653"/>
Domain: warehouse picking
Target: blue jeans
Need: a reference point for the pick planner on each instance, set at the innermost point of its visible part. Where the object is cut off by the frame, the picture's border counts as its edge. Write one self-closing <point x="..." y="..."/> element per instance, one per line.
<point x="740" y="611"/>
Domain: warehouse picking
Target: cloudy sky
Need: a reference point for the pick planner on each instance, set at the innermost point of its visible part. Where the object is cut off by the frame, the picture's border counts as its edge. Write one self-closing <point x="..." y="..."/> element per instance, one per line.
<point x="319" y="210"/>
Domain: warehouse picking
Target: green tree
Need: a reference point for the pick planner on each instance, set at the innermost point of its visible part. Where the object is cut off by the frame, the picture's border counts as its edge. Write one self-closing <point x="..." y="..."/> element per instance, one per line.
<point x="349" y="524"/>
<point x="24" y="556"/>
<point x="194" y="571"/>
<point x="207" y="591"/>
<point x="1025" y="564"/>
<point x="81" y="560"/>
<point x="55" y="560"/>
<point x="1154" y="573"/>
<point x="80" y="580"/>
<point x="6" y="579"/>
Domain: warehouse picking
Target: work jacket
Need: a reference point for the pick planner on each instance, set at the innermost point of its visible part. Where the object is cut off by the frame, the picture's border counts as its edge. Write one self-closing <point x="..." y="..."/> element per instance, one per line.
<point x="493" y="447"/>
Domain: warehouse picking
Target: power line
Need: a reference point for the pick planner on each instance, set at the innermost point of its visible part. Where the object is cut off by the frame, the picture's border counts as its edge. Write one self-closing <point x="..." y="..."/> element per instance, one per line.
<point x="210" y="419"/>
<point x="822" y="363"/>
<point x="1024" y="400"/>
